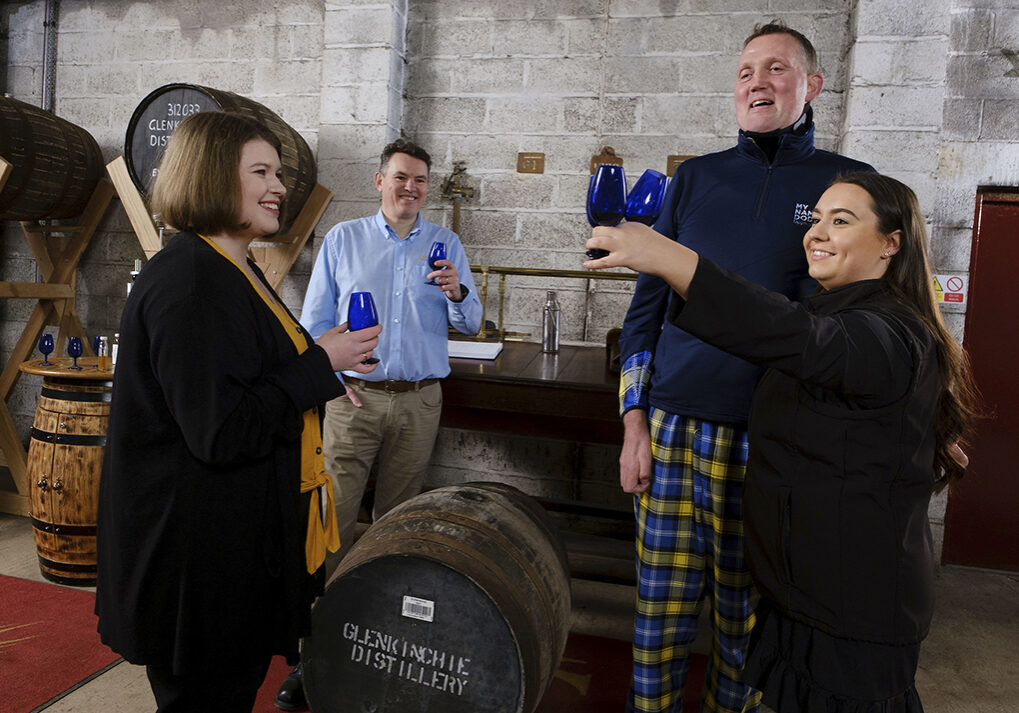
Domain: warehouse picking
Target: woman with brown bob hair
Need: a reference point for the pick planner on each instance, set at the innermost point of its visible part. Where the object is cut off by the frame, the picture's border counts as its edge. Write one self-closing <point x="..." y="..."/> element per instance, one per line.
<point x="215" y="511"/>
<point x="854" y="425"/>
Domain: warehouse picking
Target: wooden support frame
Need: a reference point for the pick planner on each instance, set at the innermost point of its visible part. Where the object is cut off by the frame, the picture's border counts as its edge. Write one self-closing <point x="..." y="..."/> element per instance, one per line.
<point x="5" y="172"/>
<point x="275" y="256"/>
<point x="57" y="249"/>
<point x="134" y="206"/>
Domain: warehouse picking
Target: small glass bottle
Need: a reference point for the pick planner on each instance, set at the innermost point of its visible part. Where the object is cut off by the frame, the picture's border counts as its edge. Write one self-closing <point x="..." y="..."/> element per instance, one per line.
<point x="103" y="359"/>
<point x="550" y="324"/>
<point x="134" y="274"/>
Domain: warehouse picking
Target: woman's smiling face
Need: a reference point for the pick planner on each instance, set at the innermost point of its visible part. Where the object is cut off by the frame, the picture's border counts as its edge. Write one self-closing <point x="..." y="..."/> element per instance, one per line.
<point x="261" y="189"/>
<point x="844" y="243"/>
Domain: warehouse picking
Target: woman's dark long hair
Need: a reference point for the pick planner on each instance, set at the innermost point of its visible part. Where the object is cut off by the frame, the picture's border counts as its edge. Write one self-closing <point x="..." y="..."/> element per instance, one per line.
<point x="909" y="276"/>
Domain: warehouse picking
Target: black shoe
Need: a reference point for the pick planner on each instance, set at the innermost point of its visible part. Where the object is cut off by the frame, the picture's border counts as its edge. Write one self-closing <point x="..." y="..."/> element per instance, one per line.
<point x="290" y="696"/>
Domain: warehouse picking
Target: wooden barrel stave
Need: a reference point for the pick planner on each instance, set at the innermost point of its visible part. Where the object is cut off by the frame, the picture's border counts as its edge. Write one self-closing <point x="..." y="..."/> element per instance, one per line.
<point x="65" y="457"/>
<point x="158" y="114"/>
<point x="55" y="164"/>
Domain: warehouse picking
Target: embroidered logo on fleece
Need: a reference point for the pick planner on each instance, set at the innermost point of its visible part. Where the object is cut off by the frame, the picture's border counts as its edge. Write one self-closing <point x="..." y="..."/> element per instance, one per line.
<point x="801" y="214"/>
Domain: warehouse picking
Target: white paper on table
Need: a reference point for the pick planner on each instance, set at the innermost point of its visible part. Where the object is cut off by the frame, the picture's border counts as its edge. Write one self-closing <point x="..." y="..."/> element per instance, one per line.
<point x="474" y="350"/>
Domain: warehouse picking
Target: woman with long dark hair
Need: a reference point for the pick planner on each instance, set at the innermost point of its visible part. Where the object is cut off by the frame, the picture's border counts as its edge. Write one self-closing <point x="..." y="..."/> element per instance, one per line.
<point x="856" y="423"/>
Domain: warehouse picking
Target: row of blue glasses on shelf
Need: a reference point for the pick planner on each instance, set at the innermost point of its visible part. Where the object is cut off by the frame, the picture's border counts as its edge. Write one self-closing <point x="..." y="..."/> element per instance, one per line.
<point x="608" y="201"/>
<point x="74" y="349"/>
<point x="46" y="346"/>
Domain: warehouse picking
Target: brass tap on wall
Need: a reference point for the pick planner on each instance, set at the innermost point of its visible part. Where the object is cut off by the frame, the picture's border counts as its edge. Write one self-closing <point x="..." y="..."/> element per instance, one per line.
<point x="454" y="190"/>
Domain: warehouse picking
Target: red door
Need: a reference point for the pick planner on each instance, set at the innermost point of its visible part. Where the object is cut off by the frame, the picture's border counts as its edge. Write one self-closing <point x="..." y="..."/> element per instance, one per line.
<point x="982" y="520"/>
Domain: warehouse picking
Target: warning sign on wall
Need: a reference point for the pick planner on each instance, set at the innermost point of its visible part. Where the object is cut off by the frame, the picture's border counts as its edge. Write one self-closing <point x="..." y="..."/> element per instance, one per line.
<point x="950" y="291"/>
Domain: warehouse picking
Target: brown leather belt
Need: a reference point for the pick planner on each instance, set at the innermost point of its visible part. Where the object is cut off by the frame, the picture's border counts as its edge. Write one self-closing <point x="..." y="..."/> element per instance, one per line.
<point x="391" y="386"/>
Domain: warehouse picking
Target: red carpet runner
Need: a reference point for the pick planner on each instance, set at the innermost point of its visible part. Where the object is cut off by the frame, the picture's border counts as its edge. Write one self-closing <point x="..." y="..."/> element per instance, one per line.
<point x="49" y="646"/>
<point x="48" y="642"/>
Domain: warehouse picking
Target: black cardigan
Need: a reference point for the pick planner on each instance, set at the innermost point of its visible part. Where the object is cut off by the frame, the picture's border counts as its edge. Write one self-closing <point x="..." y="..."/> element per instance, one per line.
<point x="840" y="470"/>
<point x="201" y="524"/>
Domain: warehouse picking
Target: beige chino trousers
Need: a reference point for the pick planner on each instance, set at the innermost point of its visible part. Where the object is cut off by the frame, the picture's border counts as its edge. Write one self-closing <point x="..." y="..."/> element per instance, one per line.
<point x="397" y="429"/>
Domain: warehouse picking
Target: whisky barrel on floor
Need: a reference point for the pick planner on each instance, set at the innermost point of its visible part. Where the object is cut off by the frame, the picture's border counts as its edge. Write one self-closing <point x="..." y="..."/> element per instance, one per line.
<point x="65" y="457"/>
<point x="456" y="601"/>
<point x="55" y="164"/>
<point x="160" y="112"/>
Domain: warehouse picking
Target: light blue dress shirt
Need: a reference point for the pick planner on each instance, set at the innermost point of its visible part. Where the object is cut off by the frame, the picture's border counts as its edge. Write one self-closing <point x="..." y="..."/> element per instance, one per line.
<point x="366" y="255"/>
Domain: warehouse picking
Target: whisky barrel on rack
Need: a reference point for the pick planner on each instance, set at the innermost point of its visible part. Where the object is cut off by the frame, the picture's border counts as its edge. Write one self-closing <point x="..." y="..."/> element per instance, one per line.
<point x="163" y="109"/>
<point x="456" y="601"/>
<point x="55" y="164"/>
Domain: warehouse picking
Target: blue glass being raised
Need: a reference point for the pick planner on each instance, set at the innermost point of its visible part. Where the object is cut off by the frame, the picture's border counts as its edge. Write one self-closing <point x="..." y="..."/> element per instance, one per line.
<point x="644" y="204"/>
<point x="46" y="347"/>
<point x="361" y="314"/>
<point x="606" y="199"/>
<point x="436" y="252"/>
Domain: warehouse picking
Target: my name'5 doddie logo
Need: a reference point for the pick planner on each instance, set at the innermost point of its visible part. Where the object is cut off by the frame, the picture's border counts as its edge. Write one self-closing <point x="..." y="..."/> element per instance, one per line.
<point x="801" y="214"/>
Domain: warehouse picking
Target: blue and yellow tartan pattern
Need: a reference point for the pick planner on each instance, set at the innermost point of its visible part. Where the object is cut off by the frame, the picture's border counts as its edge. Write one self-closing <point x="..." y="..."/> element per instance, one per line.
<point x="690" y="543"/>
<point x="634" y="380"/>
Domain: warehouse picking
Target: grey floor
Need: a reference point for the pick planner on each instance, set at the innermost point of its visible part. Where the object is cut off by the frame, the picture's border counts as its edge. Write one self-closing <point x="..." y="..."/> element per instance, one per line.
<point x="969" y="663"/>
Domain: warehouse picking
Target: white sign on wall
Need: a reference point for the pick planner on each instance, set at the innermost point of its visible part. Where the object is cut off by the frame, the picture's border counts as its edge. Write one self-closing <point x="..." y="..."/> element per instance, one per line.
<point x="950" y="291"/>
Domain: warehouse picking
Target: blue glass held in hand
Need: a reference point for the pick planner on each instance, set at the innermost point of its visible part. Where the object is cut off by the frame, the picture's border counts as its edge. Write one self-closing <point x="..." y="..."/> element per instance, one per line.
<point x="361" y="314"/>
<point x="606" y="200"/>
<point x="74" y="351"/>
<point x="437" y="252"/>
<point x="647" y="197"/>
<point x="46" y="347"/>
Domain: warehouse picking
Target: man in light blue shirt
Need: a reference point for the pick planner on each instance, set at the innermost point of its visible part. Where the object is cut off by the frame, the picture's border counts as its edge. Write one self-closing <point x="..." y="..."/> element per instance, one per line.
<point x="391" y="414"/>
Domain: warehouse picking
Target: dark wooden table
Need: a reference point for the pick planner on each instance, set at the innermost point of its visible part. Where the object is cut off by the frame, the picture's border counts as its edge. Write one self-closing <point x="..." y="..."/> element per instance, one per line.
<point x="571" y="395"/>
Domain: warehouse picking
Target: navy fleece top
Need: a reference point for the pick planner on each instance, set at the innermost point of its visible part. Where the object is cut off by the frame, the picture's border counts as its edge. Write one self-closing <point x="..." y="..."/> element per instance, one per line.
<point x="749" y="216"/>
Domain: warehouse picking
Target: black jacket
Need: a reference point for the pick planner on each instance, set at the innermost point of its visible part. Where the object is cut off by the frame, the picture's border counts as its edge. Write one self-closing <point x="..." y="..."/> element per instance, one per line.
<point x="842" y="444"/>
<point x="201" y="523"/>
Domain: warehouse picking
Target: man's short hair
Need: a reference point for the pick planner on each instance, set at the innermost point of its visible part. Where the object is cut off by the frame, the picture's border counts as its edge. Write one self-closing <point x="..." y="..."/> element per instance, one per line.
<point x="777" y="27"/>
<point x="407" y="147"/>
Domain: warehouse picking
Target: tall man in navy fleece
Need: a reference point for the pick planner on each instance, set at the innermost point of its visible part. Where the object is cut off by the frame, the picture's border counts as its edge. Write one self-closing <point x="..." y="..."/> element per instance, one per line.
<point x="685" y="403"/>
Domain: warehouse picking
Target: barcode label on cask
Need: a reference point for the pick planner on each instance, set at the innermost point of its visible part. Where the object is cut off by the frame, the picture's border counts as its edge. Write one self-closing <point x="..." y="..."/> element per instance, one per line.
<point x="418" y="608"/>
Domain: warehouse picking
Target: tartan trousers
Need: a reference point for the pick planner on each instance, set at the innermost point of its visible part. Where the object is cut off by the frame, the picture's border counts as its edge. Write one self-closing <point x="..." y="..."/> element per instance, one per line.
<point x="689" y="544"/>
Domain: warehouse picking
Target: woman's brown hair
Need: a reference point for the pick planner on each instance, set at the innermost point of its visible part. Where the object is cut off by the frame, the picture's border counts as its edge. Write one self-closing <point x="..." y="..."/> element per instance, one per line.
<point x="198" y="186"/>
<point x="909" y="276"/>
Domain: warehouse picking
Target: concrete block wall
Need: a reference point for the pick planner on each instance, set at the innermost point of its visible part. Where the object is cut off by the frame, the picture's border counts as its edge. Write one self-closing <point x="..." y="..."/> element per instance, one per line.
<point x="978" y="139"/>
<point x="926" y="95"/>
<point x="110" y="55"/>
<point x="487" y="80"/>
<point x="566" y="79"/>
<point x="933" y="99"/>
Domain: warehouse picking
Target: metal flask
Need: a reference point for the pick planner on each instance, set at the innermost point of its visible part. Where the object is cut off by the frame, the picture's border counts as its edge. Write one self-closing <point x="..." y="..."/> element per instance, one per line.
<point x="550" y="324"/>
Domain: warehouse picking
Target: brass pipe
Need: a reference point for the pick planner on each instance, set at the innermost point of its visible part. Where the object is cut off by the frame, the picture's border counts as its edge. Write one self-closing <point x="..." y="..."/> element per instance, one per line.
<point x="502" y="300"/>
<point x="541" y="272"/>
<point x="504" y="272"/>
<point x="484" y="300"/>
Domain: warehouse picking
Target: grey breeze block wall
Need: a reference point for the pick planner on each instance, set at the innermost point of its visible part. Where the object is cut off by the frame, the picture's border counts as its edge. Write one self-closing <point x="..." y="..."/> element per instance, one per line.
<point x="928" y="97"/>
